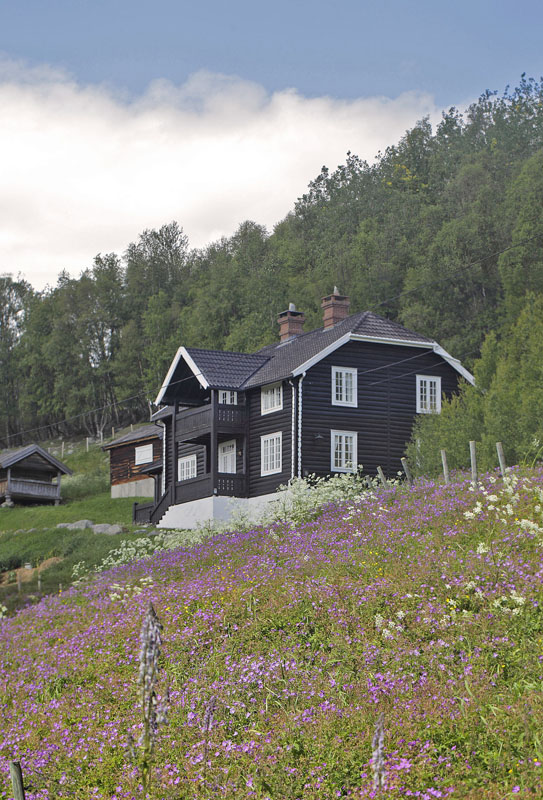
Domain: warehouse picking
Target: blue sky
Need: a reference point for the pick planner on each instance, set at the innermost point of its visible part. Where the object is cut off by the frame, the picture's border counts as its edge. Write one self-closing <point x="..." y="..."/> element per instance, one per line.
<point x="110" y="107"/>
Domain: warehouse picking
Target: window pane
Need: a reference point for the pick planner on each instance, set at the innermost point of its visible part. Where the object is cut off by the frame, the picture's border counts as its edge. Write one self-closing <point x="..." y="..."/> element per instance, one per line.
<point x="348" y="387"/>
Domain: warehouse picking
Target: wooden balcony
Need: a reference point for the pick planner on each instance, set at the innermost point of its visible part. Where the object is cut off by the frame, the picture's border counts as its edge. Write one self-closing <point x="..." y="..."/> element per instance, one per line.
<point x="18" y="488"/>
<point x="193" y="423"/>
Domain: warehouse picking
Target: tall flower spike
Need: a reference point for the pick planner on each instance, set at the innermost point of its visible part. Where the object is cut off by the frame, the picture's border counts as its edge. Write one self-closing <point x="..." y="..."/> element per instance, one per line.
<point x="153" y="711"/>
<point x="378" y="759"/>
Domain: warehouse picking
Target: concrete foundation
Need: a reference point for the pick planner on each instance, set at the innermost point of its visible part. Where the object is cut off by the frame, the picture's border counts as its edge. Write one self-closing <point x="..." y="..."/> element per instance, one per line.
<point x="214" y="508"/>
<point x="143" y="488"/>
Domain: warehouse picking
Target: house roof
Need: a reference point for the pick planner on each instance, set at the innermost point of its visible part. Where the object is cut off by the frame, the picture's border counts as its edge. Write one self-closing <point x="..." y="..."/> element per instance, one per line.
<point x="144" y="432"/>
<point x="224" y="369"/>
<point x="11" y="457"/>
<point x="292" y="357"/>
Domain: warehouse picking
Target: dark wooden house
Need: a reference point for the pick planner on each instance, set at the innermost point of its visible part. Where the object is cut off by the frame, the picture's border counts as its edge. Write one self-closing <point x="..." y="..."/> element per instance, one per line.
<point x="337" y="399"/>
<point x="135" y="463"/>
<point x="30" y="475"/>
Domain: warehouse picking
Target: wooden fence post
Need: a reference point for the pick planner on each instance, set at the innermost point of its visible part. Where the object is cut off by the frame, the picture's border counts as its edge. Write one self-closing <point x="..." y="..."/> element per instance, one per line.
<point x="62" y="449"/>
<point x="87" y="440"/>
<point x="19" y="582"/>
<point x="407" y="471"/>
<point x="16" y="776"/>
<point x="112" y="433"/>
<point x="382" y="477"/>
<point x="473" y="457"/>
<point x="39" y="582"/>
<point x="445" y="467"/>
<point x="501" y="458"/>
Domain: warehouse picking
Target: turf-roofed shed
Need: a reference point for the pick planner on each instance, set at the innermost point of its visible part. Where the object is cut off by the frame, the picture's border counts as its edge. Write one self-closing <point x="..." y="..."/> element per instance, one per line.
<point x="30" y="475"/>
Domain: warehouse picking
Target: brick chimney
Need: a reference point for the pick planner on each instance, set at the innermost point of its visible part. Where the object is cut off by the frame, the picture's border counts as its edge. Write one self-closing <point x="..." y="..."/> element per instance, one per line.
<point x="335" y="307"/>
<point x="291" y="323"/>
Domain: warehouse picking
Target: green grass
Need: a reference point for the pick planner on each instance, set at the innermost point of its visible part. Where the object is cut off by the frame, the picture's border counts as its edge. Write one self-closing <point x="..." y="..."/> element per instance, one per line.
<point x="28" y="534"/>
<point x="34" y="547"/>
<point x="98" y="508"/>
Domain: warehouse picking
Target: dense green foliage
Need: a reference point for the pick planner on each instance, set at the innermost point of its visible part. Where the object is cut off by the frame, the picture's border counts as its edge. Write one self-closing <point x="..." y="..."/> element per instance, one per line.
<point x="442" y="233"/>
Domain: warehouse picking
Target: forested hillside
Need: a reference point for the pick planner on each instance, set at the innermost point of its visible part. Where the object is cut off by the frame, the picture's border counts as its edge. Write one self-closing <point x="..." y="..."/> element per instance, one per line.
<point x="443" y="232"/>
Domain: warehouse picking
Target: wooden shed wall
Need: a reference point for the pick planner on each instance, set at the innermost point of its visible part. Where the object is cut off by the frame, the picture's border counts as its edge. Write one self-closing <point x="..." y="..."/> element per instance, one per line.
<point x="122" y="458"/>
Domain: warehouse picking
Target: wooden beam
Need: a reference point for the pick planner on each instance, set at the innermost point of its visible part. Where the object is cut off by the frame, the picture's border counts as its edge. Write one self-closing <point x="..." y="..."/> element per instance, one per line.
<point x="213" y="448"/>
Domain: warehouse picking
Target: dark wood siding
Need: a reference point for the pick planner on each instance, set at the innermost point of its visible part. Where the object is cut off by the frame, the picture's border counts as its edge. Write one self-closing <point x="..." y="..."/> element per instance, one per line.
<point x="260" y="425"/>
<point x="123" y="468"/>
<point x="386" y="404"/>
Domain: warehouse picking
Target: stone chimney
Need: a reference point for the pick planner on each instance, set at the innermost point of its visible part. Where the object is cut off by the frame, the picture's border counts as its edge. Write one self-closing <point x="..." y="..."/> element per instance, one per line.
<point x="335" y="307"/>
<point x="291" y="323"/>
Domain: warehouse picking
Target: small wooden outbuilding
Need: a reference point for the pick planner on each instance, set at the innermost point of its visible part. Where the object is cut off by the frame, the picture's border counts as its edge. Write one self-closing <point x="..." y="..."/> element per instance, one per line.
<point x="135" y="461"/>
<point x="30" y="474"/>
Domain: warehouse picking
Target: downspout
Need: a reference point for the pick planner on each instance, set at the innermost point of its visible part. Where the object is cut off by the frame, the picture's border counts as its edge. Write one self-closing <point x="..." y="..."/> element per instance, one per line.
<point x="293" y="432"/>
<point x="302" y="376"/>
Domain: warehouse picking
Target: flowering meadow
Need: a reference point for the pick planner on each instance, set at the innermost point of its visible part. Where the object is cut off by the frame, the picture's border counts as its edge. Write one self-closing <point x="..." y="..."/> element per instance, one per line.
<point x="392" y="647"/>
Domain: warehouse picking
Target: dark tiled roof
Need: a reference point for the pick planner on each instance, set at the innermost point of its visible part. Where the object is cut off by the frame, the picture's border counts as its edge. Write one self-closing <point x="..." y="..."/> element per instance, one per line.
<point x="144" y="432"/>
<point x="7" y="459"/>
<point x="223" y="369"/>
<point x="283" y="358"/>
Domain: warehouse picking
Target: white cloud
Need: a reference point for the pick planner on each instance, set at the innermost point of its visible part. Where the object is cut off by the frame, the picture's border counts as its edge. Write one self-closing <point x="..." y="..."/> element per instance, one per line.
<point x="84" y="170"/>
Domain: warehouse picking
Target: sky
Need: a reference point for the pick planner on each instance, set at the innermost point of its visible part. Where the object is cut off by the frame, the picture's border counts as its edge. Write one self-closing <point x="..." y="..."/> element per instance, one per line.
<point x="121" y="116"/>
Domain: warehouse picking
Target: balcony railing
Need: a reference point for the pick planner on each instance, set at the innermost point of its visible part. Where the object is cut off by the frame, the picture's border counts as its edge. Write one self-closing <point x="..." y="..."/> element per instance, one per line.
<point x="228" y="484"/>
<point x="194" y="422"/>
<point x="18" y="487"/>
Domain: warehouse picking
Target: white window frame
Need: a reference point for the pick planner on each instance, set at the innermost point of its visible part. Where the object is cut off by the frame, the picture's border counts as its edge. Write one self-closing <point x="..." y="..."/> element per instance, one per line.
<point x="231" y="443"/>
<point x="423" y="387"/>
<point x="353" y="403"/>
<point x="143" y="454"/>
<point x="227" y="397"/>
<point x="343" y="467"/>
<point x="271" y="398"/>
<point x="187" y="464"/>
<point x="277" y="464"/>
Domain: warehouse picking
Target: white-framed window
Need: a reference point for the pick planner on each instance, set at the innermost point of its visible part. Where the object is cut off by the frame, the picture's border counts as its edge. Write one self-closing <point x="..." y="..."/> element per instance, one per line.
<point x="344" y="387"/>
<point x="428" y="394"/>
<point x="343" y="451"/>
<point x="227" y="397"/>
<point x="270" y="453"/>
<point x="186" y="467"/>
<point x="143" y="454"/>
<point x="227" y="456"/>
<point x="271" y="398"/>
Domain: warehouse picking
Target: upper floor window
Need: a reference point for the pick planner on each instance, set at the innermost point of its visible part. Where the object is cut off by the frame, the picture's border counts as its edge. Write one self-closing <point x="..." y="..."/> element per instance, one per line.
<point x="187" y="467"/>
<point x="344" y="386"/>
<point x="228" y="397"/>
<point x="428" y="394"/>
<point x="143" y="454"/>
<point x="344" y="446"/>
<point x="271" y="398"/>
<point x="270" y="453"/>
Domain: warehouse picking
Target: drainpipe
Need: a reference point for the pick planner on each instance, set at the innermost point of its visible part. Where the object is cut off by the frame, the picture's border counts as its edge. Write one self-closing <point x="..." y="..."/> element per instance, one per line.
<point x="293" y="432"/>
<point x="302" y="376"/>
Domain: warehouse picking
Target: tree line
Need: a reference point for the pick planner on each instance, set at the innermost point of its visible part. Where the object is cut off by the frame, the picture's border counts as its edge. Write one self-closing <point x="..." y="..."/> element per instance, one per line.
<point x="443" y="232"/>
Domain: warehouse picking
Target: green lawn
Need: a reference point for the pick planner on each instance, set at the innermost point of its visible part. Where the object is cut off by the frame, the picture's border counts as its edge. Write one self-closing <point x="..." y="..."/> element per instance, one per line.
<point x="34" y="547"/>
<point x="98" y="508"/>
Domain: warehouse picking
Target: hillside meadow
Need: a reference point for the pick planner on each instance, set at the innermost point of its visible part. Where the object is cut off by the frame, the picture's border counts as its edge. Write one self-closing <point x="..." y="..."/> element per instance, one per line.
<point x="281" y="649"/>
